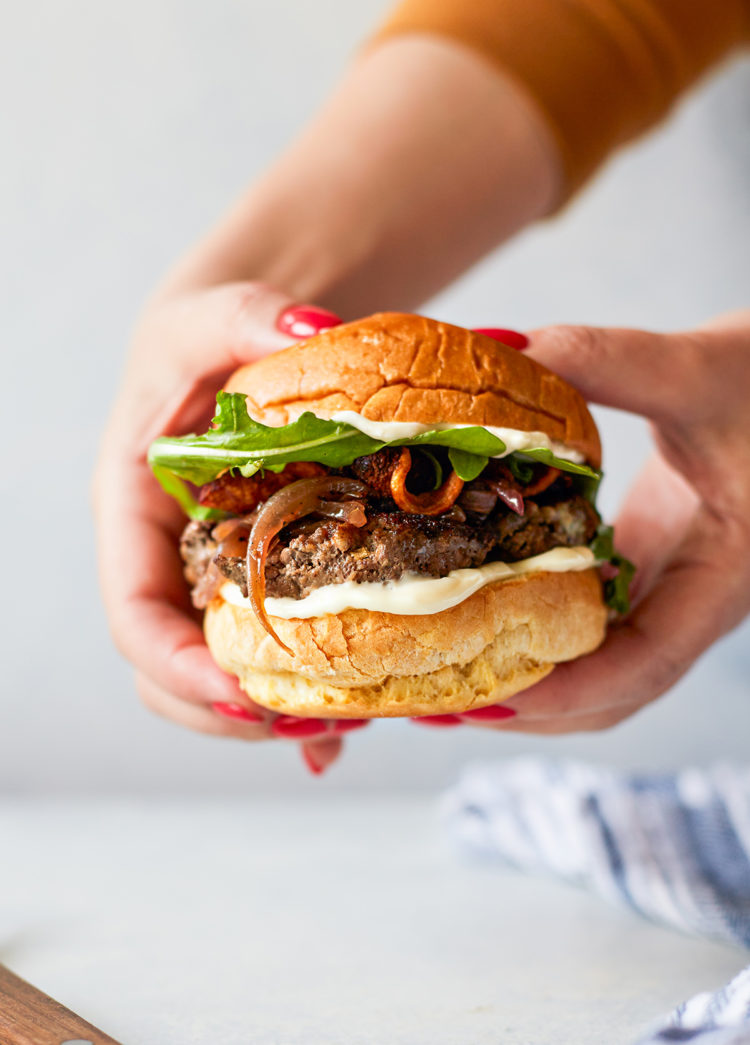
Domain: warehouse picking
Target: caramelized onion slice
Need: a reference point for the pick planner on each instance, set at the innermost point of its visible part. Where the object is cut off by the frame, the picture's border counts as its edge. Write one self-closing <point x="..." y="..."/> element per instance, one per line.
<point x="231" y="536"/>
<point x="292" y="502"/>
<point x="434" y="502"/>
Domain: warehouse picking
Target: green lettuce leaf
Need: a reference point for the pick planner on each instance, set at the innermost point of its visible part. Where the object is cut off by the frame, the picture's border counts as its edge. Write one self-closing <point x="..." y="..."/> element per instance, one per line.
<point x="245" y="446"/>
<point x="547" y="457"/>
<point x="238" y="443"/>
<point x="616" y="589"/>
<point x="176" y="488"/>
<point x="466" y="466"/>
<point x="519" y="469"/>
<point x="437" y="467"/>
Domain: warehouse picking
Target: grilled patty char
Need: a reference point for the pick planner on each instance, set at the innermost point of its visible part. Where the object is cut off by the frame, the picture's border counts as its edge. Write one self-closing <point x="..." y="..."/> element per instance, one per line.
<point x="312" y="553"/>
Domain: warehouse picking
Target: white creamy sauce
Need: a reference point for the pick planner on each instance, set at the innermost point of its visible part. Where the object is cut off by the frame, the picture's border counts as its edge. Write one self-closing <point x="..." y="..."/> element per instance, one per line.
<point x="514" y="438"/>
<point x="413" y="594"/>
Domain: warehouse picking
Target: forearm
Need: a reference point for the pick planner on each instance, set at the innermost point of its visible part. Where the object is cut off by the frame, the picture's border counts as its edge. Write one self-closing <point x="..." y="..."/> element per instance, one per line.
<point x="424" y="159"/>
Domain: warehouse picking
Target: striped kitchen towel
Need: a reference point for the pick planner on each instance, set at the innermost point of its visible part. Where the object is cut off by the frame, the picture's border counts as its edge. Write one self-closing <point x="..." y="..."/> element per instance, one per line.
<point x="673" y="847"/>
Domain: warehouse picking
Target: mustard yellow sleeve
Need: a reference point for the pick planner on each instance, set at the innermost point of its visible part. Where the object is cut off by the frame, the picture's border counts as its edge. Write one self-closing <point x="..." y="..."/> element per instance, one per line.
<point x="601" y="71"/>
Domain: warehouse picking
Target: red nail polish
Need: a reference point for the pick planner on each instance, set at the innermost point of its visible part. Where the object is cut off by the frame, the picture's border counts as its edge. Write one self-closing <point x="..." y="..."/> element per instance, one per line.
<point x="508" y="337"/>
<point x="310" y="762"/>
<point x="346" y="725"/>
<point x="437" y="720"/>
<point x="235" y="711"/>
<point x="288" y="726"/>
<point x="494" y="713"/>
<point x="306" y="320"/>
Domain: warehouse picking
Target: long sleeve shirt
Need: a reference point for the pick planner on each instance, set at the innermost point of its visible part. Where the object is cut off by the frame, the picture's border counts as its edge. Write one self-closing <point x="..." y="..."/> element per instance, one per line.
<point x="600" y="71"/>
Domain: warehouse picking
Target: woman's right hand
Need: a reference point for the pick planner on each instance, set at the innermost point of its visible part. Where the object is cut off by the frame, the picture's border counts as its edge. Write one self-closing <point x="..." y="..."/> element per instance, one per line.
<point x="685" y="523"/>
<point x="184" y="348"/>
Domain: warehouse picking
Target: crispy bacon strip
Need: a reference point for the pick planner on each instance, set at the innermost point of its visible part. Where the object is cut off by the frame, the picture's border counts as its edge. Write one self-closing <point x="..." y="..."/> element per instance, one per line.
<point x="235" y="494"/>
<point x="434" y="502"/>
<point x="540" y="484"/>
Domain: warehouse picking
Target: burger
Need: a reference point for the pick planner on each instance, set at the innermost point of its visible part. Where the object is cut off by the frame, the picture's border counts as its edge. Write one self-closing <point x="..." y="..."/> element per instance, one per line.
<point x="394" y="517"/>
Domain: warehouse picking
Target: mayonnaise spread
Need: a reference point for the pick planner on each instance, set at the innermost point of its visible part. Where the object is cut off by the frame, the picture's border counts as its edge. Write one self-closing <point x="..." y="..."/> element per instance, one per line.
<point x="514" y="439"/>
<point x="413" y="594"/>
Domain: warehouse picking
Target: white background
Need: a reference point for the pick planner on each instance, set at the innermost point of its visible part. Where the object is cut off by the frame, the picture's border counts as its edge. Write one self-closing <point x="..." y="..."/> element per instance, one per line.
<point x="126" y="129"/>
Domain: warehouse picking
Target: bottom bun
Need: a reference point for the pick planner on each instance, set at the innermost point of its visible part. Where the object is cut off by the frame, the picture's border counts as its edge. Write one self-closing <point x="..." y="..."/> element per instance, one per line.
<point x="363" y="664"/>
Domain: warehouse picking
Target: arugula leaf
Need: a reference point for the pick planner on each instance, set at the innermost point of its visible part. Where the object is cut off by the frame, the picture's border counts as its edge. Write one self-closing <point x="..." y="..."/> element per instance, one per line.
<point x="176" y="488"/>
<point x="473" y="439"/>
<point x="589" y="487"/>
<point x="519" y="469"/>
<point x="616" y="589"/>
<point x="437" y="467"/>
<point x="548" y="458"/>
<point x="467" y="466"/>
<point x="243" y="446"/>
<point x="238" y="442"/>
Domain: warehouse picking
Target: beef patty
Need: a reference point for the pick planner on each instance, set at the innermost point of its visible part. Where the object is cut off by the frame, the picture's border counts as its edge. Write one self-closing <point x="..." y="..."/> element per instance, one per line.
<point x="312" y="553"/>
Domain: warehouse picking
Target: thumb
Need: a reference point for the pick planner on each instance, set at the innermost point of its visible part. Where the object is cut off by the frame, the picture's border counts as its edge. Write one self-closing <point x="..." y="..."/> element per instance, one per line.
<point x="211" y="332"/>
<point x="188" y="346"/>
<point x="633" y="370"/>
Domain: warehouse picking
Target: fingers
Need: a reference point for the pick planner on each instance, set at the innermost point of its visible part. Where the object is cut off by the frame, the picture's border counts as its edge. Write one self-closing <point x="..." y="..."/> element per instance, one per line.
<point x="220" y="328"/>
<point x="737" y="321"/>
<point x="655" y="516"/>
<point x="147" y="601"/>
<point x="655" y="375"/>
<point x="201" y="718"/>
<point x="186" y="349"/>
<point x="209" y="333"/>
<point x="701" y="594"/>
<point x="560" y="725"/>
<point x="318" y="755"/>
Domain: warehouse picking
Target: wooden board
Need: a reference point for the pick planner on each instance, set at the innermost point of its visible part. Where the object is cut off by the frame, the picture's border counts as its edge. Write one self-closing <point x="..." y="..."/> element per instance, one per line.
<point x="29" y="1017"/>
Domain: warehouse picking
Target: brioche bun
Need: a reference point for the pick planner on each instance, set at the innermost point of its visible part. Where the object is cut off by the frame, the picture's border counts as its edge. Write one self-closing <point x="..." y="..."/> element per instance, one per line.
<point x="360" y="664"/>
<point x="398" y="367"/>
<point x="501" y="639"/>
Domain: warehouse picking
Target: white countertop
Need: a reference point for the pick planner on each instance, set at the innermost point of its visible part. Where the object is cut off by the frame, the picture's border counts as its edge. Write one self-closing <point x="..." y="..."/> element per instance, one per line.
<point x="325" y="922"/>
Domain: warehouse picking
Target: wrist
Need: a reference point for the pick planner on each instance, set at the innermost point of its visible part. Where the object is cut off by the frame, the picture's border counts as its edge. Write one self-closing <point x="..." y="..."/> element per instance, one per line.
<point x="425" y="159"/>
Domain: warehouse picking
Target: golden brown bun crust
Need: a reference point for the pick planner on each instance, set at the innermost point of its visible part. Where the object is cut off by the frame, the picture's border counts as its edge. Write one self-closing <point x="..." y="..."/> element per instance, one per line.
<point x="361" y="664"/>
<point x="397" y="367"/>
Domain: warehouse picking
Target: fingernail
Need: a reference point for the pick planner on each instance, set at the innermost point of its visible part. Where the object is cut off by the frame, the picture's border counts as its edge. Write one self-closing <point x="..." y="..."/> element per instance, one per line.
<point x="235" y="711"/>
<point x="306" y="320"/>
<point x="311" y="764"/>
<point x="288" y="726"/>
<point x="437" y="720"/>
<point x="494" y="713"/>
<point x="346" y="725"/>
<point x="511" y="338"/>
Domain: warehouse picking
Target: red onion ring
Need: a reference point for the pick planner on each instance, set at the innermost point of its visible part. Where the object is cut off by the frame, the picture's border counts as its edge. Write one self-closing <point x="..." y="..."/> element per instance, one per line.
<point x="508" y="490"/>
<point x="478" y="497"/>
<point x="290" y="503"/>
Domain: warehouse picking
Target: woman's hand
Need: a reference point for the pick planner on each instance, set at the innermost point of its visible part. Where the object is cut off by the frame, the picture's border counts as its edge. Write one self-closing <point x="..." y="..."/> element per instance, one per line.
<point x="685" y="522"/>
<point x="184" y="349"/>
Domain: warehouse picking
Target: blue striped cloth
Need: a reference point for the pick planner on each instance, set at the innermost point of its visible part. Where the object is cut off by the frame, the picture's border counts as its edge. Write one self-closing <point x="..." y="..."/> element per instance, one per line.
<point x="673" y="847"/>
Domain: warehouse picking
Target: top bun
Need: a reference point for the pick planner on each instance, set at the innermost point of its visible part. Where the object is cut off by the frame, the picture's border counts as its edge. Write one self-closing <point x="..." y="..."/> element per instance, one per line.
<point x="398" y="367"/>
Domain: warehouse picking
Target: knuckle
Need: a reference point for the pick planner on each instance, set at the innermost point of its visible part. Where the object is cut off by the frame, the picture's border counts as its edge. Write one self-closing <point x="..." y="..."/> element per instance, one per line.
<point x="122" y="638"/>
<point x="146" y="692"/>
<point x="241" y="299"/>
<point x="580" y="342"/>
